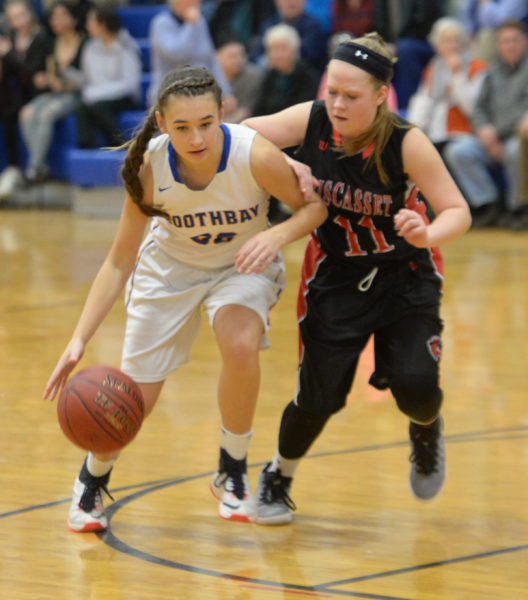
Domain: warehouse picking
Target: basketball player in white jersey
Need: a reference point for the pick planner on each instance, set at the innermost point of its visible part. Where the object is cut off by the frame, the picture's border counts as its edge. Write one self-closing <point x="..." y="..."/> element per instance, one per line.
<point x="205" y="185"/>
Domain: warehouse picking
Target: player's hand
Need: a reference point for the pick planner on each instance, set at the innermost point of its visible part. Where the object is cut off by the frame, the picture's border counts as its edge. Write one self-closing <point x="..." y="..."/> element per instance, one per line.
<point x="257" y="254"/>
<point x="72" y="355"/>
<point x="411" y="226"/>
<point x="304" y="176"/>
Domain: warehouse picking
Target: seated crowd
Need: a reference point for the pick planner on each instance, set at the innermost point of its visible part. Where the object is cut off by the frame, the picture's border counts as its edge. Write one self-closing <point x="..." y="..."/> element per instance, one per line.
<point x="461" y="75"/>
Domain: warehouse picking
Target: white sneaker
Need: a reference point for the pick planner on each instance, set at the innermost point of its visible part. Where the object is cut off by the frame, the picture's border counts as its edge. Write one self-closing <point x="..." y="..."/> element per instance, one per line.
<point x="10" y="179"/>
<point x="230" y="484"/>
<point x="87" y="510"/>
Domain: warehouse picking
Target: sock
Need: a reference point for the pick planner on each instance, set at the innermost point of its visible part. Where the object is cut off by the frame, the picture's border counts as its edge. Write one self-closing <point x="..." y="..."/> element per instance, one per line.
<point x="287" y="466"/>
<point x="236" y="444"/>
<point x="97" y="467"/>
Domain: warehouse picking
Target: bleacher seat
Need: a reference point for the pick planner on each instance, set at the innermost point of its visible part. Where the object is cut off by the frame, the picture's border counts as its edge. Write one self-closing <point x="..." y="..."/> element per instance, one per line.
<point x="130" y="121"/>
<point x="91" y="168"/>
<point x="144" y="49"/>
<point x="137" y="18"/>
<point x="146" y="78"/>
<point x="94" y="168"/>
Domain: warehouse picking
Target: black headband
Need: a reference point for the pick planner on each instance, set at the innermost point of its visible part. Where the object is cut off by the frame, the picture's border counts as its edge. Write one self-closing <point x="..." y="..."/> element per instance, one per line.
<point x="366" y="59"/>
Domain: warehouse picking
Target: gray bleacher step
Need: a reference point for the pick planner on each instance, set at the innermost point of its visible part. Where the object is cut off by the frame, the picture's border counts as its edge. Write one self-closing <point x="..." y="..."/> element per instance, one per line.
<point x="52" y="194"/>
<point x="104" y="202"/>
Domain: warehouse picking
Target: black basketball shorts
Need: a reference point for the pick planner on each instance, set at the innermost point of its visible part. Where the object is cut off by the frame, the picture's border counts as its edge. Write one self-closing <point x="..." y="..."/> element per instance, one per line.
<point x="400" y="309"/>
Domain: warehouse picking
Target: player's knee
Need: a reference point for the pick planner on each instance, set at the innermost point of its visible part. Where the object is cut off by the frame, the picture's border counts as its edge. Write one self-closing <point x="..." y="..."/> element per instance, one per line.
<point x="417" y="396"/>
<point x="240" y="349"/>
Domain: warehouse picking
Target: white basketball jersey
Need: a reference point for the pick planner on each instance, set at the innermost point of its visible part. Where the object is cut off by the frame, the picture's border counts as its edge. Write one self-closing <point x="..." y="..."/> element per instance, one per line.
<point x="207" y="227"/>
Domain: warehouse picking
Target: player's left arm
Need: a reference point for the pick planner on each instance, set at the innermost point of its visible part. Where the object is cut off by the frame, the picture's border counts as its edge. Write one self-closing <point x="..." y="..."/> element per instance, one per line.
<point x="273" y="174"/>
<point x="427" y="170"/>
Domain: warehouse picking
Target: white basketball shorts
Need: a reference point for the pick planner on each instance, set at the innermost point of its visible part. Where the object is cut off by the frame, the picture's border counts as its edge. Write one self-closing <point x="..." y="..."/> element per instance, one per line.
<point x="164" y="299"/>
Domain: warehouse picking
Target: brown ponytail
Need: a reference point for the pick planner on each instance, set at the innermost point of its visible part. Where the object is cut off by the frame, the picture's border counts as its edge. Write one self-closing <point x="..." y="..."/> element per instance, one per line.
<point x="186" y="81"/>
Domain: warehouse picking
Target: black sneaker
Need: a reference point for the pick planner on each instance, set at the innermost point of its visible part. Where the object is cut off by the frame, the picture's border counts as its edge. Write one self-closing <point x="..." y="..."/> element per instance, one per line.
<point x="428" y="465"/>
<point x="230" y="485"/>
<point x="274" y="504"/>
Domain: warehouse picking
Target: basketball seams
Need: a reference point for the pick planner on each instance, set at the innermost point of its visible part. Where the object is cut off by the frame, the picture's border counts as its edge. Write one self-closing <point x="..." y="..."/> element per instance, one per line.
<point x="115" y="396"/>
<point x="100" y="409"/>
<point x="103" y="425"/>
<point x="63" y="402"/>
<point x="103" y="372"/>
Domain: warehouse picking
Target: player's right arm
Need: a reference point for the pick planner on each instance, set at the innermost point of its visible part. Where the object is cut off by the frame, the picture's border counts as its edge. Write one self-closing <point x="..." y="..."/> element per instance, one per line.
<point x="287" y="129"/>
<point x="106" y="287"/>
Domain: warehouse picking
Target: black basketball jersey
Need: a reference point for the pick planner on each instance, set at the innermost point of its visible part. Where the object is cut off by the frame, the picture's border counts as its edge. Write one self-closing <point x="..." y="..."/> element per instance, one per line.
<point x="361" y="208"/>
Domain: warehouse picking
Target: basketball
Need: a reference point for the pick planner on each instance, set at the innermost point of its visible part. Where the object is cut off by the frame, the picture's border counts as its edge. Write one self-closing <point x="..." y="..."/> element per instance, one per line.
<point x="100" y="409"/>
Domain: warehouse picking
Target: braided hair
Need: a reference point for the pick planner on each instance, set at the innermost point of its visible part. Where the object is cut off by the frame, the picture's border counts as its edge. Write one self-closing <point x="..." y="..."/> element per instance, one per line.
<point x="185" y="81"/>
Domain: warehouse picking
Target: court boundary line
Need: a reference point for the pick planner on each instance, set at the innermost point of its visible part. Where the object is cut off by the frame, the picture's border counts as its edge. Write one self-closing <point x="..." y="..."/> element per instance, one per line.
<point x="110" y="539"/>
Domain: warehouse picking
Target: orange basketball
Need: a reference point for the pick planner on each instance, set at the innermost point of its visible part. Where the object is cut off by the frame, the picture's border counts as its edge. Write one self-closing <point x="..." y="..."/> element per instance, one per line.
<point x="100" y="409"/>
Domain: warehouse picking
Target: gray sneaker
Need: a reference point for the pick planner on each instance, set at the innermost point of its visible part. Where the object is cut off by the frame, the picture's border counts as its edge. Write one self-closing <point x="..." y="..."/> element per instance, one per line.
<point x="274" y="504"/>
<point x="428" y="465"/>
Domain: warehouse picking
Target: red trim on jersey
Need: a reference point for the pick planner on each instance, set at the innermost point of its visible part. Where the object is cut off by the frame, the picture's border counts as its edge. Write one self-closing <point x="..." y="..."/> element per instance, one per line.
<point x="368" y="150"/>
<point x="337" y="138"/>
<point x="313" y="255"/>
<point x="337" y="142"/>
<point x="414" y="203"/>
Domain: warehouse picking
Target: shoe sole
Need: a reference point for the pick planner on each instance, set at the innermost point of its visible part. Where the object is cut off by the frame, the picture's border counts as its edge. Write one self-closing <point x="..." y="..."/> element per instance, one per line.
<point x="235" y="517"/>
<point x="428" y="499"/>
<point x="229" y="516"/>
<point x="87" y="528"/>
<point x="279" y="520"/>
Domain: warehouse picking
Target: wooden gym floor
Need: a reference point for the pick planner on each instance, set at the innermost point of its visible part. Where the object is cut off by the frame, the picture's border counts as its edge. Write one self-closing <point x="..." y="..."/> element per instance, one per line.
<point x="357" y="533"/>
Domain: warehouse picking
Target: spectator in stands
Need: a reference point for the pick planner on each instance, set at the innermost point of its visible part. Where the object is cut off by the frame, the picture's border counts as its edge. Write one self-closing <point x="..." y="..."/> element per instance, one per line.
<point x="322" y="11"/>
<point x="236" y="17"/>
<point x="354" y="16"/>
<point x="444" y="102"/>
<point x="110" y="75"/>
<point x="59" y="96"/>
<point x="180" y="36"/>
<point x="288" y="79"/>
<point x="481" y="17"/>
<point x="500" y="120"/>
<point x="22" y="54"/>
<point x="244" y="77"/>
<point x="313" y="39"/>
<point x="81" y="8"/>
<point x="407" y="23"/>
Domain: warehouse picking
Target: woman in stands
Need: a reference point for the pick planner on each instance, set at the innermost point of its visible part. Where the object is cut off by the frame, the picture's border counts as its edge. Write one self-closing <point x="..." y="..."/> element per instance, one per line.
<point x="22" y="54"/>
<point x="60" y="90"/>
<point x="206" y="186"/>
<point x="110" y="78"/>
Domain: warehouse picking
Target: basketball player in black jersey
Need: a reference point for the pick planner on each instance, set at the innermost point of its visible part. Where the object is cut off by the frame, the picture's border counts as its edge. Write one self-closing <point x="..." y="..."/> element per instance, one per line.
<point x="373" y="267"/>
